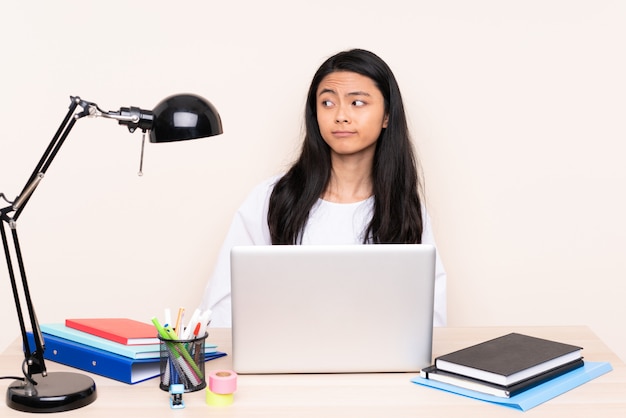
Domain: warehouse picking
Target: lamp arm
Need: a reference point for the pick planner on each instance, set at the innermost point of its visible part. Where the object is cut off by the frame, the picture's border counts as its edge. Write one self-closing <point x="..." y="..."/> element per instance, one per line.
<point x="33" y="358"/>
<point x="133" y="118"/>
<point x="9" y="215"/>
<point x="46" y="159"/>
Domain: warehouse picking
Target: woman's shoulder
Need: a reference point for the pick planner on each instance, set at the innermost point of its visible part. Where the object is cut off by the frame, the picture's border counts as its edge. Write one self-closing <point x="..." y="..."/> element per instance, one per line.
<point x="266" y="186"/>
<point x="261" y="192"/>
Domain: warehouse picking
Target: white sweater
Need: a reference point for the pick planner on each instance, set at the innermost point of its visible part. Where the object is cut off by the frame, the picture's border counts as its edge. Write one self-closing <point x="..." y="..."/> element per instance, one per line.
<point x="329" y="223"/>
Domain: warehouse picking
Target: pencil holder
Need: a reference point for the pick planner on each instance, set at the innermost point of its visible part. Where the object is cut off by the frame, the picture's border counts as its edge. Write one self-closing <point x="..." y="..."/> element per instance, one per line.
<point x="182" y="362"/>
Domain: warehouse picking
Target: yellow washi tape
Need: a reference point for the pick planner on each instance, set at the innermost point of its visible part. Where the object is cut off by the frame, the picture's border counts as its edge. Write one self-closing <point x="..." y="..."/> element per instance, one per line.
<point x="216" y="399"/>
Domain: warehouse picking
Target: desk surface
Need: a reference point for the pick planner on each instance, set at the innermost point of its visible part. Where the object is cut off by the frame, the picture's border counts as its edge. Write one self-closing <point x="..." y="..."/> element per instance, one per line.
<point x="347" y="395"/>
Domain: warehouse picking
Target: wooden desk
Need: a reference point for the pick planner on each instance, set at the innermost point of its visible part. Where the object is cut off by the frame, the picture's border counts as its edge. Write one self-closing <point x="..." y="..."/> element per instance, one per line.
<point x="351" y="395"/>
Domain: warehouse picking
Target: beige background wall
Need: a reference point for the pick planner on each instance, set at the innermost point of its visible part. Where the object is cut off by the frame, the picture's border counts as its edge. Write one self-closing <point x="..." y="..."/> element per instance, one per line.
<point x="517" y="108"/>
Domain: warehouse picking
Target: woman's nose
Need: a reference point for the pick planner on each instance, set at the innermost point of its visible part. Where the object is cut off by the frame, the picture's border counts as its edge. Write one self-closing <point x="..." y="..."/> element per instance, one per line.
<point x="342" y="115"/>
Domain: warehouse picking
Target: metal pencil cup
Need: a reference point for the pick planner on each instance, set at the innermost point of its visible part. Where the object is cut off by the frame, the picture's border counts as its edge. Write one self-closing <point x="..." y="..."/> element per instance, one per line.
<point x="182" y="361"/>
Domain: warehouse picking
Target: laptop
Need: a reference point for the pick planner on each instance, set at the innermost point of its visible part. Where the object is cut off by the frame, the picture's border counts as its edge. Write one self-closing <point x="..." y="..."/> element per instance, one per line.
<point x="332" y="308"/>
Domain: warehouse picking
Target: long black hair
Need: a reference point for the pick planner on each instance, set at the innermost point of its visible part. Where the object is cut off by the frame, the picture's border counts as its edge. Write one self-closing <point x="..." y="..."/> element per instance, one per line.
<point x="397" y="215"/>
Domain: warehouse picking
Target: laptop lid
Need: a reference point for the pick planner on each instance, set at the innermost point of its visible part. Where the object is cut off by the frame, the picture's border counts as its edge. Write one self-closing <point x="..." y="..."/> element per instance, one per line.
<point x="332" y="308"/>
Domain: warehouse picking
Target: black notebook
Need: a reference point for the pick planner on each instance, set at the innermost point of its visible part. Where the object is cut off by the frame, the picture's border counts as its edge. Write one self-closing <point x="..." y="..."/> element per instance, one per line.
<point x="508" y="359"/>
<point x="498" y="390"/>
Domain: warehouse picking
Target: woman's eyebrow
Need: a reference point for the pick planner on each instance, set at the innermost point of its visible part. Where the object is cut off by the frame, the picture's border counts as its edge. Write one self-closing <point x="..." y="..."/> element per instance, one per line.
<point x="352" y="93"/>
<point x="324" y="91"/>
<point x="358" y="93"/>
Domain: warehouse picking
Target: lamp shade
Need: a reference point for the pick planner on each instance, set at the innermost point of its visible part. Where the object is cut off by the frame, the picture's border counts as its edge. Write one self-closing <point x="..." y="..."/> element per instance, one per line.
<point x="184" y="116"/>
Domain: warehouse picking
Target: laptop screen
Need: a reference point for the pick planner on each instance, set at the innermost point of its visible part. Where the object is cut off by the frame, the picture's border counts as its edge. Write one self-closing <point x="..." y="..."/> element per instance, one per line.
<point x="332" y="308"/>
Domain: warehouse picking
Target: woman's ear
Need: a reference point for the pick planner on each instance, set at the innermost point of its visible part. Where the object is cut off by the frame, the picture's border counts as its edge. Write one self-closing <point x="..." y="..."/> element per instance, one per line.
<point x="386" y="120"/>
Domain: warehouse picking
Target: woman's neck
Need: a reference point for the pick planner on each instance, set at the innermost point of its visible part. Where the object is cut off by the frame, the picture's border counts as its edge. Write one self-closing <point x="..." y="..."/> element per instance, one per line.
<point x="349" y="182"/>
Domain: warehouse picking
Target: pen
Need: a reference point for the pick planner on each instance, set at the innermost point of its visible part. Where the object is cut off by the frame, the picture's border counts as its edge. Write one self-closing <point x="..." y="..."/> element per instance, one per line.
<point x="171" y="332"/>
<point x="162" y="332"/>
<point x="198" y="346"/>
<point x="168" y="316"/>
<point x="205" y="318"/>
<point x="187" y="334"/>
<point x="196" y="330"/>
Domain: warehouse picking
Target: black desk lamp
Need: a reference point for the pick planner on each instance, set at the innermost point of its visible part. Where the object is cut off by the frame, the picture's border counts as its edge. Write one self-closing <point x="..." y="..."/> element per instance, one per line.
<point x="176" y="118"/>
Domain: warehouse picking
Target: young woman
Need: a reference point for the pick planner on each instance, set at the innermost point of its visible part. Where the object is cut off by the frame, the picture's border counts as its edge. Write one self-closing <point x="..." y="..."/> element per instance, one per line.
<point x="355" y="181"/>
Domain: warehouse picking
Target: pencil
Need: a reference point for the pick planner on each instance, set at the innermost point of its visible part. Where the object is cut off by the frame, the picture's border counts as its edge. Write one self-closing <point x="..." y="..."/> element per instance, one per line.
<point x="179" y="320"/>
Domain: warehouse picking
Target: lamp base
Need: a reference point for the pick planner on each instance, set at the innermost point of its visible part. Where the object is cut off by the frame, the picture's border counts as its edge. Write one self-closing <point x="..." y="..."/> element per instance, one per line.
<point x="57" y="392"/>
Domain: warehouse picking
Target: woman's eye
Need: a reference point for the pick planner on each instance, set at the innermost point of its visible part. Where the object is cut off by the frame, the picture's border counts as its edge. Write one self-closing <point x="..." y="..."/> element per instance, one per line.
<point x="358" y="103"/>
<point x="326" y="103"/>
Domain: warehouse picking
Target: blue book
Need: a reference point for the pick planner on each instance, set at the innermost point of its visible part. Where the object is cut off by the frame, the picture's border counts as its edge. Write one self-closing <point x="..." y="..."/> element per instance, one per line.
<point x="534" y="396"/>
<point x="145" y="351"/>
<point x="101" y="362"/>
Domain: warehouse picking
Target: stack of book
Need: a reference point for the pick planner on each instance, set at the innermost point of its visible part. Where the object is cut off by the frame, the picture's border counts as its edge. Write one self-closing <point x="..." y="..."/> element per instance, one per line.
<point x="118" y="348"/>
<point x="505" y="366"/>
<point x="515" y="370"/>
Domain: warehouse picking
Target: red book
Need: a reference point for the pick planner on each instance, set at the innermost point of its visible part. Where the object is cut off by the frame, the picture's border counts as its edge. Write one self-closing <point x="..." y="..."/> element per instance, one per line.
<point x="121" y="330"/>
